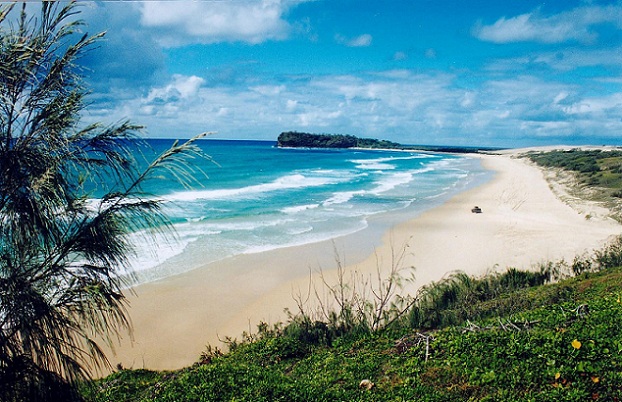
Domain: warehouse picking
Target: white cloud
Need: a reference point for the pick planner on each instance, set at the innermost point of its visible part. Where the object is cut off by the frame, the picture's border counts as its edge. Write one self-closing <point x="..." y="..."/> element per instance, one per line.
<point x="181" y="87"/>
<point x="167" y="100"/>
<point x="217" y="21"/>
<point x="574" y="25"/>
<point x="363" y="40"/>
<point x="570" y="59"/>
<point x="317" y="118"/>
<point x="468" y="100"/>
<point x="560" y="97"/>
<point x="399" y="105"/>
<point x="563" y="60"/>
<point x="291" y="105"/>
<point x="269" y="90"/>
<point x="527" y="27"/>
<point x="611" y="104"/>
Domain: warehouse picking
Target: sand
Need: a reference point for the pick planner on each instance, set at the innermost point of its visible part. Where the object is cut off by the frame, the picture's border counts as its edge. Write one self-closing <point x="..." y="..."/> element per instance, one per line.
<point x="523" y="223"/>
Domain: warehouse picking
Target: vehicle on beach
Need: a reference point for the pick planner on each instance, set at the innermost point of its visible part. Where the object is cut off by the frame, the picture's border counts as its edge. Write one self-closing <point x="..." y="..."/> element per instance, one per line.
<point x="476" y="210"/>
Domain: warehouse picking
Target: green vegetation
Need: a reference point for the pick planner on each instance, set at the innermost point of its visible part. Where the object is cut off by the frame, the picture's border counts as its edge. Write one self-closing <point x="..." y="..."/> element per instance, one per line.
<point x="594" y="167"/>
<point x="589" y="175"/>
<point x="506" y="337"/>
<point x="61" y="251"/>
<point x="292" y="139"/>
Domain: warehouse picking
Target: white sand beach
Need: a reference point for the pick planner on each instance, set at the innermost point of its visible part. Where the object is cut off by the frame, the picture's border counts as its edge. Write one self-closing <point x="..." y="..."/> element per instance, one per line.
<point x="523" y="223"/>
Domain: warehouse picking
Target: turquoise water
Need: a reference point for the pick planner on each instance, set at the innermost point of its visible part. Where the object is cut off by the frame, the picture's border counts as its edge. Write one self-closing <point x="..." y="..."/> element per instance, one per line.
<point x="260" y="198"/>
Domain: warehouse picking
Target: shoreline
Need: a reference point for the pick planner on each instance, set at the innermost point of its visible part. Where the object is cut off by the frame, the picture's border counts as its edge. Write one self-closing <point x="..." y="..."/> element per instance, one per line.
<point x="523" y="223"/>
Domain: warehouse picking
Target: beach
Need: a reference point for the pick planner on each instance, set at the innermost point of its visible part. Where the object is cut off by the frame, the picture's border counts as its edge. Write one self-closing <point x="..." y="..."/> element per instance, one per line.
<point x="523" y="223"/>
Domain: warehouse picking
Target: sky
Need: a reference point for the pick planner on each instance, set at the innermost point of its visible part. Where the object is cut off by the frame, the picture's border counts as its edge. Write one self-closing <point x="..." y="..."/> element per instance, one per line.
<point x="428" y="72"/>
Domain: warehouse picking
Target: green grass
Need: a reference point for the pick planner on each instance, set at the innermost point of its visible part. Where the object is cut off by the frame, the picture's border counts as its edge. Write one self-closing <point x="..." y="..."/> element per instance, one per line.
<point x="527" y="355"/>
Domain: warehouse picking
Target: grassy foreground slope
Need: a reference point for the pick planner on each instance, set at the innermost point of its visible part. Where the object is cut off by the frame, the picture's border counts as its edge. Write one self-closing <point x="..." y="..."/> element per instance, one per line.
<point x="565" y="345"/>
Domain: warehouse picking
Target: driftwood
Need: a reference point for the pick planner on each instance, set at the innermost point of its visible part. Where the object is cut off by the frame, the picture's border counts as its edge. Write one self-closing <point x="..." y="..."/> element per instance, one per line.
<point x="580" y="312"/>
<point x="407" y="342"/>
<point x="506" y="325"/>
<point x="417" y="339"/>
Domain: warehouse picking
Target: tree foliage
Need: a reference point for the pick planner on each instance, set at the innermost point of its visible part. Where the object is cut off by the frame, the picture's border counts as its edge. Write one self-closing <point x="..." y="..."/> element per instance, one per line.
<point x="295" y="139"/>
<point x="60" y="248"/>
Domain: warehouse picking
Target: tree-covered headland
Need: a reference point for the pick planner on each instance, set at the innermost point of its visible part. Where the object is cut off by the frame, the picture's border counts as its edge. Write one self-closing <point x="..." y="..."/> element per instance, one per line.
<point x="293" y="139"/>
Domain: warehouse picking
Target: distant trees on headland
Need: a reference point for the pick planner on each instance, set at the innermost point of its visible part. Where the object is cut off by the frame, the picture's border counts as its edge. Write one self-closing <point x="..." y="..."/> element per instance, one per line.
<point x="293" y="139"/>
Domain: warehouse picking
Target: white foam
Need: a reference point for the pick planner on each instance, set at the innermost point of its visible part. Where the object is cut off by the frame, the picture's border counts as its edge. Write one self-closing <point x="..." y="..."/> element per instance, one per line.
<point x="390" y="159"/>
<point x="299" y="230"/>
<point x="384" y="163"/>
<point x="154" y="251"/>
<point x="282" y="183"/>
<point x="373" y="165"/>
<point x="389" y="182"/>
<point x="246" y="225"/>
<point x="342" y="197"/>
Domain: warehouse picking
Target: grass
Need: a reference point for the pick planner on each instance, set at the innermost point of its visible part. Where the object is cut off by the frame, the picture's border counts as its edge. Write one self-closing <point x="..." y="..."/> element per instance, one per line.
<point x="557" y="341"/>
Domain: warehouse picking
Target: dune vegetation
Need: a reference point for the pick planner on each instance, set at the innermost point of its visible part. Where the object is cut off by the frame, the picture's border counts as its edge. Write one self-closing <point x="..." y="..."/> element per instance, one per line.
<point x="551" y="334"/>
<point x="592" y="174"/>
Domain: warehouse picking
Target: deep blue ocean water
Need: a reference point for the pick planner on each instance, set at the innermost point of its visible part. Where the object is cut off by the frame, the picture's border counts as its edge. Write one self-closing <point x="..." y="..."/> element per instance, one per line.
<point x="260" y="197"/>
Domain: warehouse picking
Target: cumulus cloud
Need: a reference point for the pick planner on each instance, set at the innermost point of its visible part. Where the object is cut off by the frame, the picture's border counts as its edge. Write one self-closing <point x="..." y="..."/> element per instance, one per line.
<point x="400" y="105"/>
<point x="363" y="40"/>
<point x="181" y="88"/>
<point x="168" y="100"/>
<point x="217" y="21"/>
<point x="574" y="25"/>
<point x="597" y="106"/>
<point x="291" y="105"/>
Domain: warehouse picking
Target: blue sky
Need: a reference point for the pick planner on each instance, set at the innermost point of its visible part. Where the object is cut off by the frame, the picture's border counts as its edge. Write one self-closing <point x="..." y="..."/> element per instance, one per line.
<point x="481" y="73"/>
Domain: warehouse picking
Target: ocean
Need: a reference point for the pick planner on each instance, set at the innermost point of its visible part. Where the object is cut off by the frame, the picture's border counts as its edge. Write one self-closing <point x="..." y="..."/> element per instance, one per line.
<point x="258" y="197"/>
